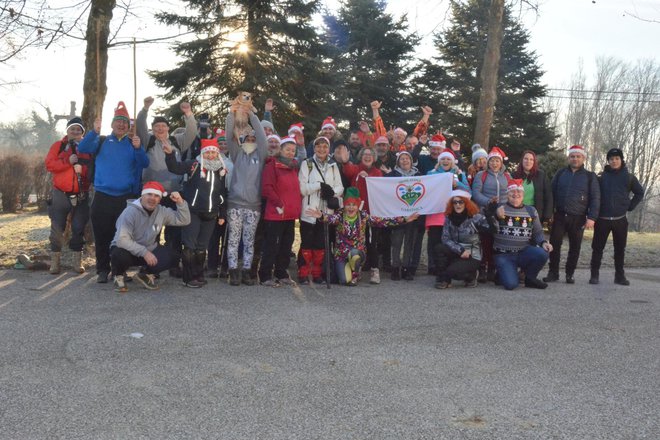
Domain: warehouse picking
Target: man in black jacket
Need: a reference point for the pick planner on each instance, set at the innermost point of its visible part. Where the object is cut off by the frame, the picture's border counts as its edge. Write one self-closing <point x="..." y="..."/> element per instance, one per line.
<point x="576" y="196"/>
<point x="616" y="184"/>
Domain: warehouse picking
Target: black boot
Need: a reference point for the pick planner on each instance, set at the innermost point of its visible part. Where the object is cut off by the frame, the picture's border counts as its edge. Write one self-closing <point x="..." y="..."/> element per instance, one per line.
<point x="621" y="279"/>
<point x="396" y="274"/>
<point x="188" y="261"/>
<point x="248" y="280"/>
<point x="481" y="277"/>
<point x="407" y="274"/>
<point x="594" y="277"/>
<point x="551" y="277"/>
<point x="200" y="258"/>
<point x="234" y="277"/>
<point x="535" y="283"/>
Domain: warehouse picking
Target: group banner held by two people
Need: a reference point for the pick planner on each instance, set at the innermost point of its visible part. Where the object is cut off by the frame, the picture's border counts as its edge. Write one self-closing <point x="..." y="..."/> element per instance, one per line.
<point x="403" y="196"/>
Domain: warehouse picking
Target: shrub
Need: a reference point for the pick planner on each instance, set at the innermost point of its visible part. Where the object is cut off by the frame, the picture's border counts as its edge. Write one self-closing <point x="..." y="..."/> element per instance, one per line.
<point x="14" y="180"/>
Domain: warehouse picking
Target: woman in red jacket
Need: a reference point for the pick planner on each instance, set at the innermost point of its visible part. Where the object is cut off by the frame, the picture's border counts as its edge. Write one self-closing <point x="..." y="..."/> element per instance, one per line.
<point x="281" y="189"/>
<point x="70" y="187"/>
<point x="357" y="174"/>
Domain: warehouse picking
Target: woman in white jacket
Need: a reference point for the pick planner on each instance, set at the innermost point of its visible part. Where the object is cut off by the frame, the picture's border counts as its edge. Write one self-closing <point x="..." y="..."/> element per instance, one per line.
<point x="320" y="182"/>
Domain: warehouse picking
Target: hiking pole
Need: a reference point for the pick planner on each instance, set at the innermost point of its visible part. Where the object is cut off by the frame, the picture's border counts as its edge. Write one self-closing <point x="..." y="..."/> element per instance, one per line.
<point x="223" y="247"/>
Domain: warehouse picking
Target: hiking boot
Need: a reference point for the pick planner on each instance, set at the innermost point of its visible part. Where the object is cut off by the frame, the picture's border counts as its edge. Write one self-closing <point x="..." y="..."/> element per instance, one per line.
<point x="55" y="258"/>
<point x="594" y="279"/>
<point x="120" y="285"/>
<point x="621" y="280"/>
<point x="481" y="276"/>
<point x="248" y="279"/>
<point x="270" y="283"/>
<point x="396" y="274"/>
<point x="442" y="285"/>
<point x="551" y="277"/>
<point x="374" y="278"/>
<point x="234" y="277"/>
<point x="195" y="284"/>
<point x="148" y="280"/>
<point x="535" y="283"/>
<point x="77" y="262"/>
<point x="570" y="279"/>
<point x="471" y="283"/>
<point x="318" y="280"/>
<point x="406" y="274"/>
<point x="102" y="277"/>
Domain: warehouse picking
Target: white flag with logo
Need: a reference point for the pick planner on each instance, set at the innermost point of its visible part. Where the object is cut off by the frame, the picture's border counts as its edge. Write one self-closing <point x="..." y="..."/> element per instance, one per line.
<point x="403" y="196"/>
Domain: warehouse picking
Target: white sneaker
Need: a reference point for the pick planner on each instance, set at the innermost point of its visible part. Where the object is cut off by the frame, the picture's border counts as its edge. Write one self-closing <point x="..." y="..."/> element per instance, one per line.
<point x="375" y="276"/>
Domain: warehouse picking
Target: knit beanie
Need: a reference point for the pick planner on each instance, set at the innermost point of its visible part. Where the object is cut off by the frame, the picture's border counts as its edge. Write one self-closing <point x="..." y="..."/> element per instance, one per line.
<point x="75" y="121"/>
<point x="121" y="112"/>
<point x="611" y="153"/>
<point x="352" y="195"/>
<point x="158" y="119"/>
<point x="477" y="153"/>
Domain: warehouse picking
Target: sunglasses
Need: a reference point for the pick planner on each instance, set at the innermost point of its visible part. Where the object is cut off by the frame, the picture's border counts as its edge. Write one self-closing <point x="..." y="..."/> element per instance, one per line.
<point x="458" y="202"/>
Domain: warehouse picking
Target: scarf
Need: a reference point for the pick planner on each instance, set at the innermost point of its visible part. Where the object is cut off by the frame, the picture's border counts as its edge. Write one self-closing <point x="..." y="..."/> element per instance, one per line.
<point x="457" y="219"/>
<point x="411" y="172"/>
<point x="291" y="163"/>
<point x="211" y="165"/>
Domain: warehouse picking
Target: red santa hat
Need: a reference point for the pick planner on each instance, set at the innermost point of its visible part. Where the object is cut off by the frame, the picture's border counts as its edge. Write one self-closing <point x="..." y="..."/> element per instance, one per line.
<point x="514" y="184"/>
<point x="219" y="132"/>
<point x="460" y="193"/>
<point x="121" y="112"/>
<point x="287" y="140"/>
<point x="153" y="187"/>
<point x="329" y="123"/>
<point x="275" y="137"/>
<point x="448" y="154"/>
<point x="382" y="140"/>
<point x="296" y="128"/>
<point x="209" y="145"/>
<point x="497" y="152"/>
<point x="438" y="140"/>
<point x="577" y="149"/>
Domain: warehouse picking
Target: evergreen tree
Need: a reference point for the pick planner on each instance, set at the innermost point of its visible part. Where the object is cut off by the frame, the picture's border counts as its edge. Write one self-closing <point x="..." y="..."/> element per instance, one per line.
<point x="372" y="59"/>
<point x="266" y="47"/>
<point x="452" y="82"/>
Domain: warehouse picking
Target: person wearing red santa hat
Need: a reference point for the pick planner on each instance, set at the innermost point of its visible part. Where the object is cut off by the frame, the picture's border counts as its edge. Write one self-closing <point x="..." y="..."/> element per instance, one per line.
<point x="206" y="194"/>
<point x="136" y="241"/>
<point x="518" y="240"/>
<point x="576" y="197"/>
<point x="296" y="131"/>
<point x="490" y="185"/>
<point x="119" y="161"/>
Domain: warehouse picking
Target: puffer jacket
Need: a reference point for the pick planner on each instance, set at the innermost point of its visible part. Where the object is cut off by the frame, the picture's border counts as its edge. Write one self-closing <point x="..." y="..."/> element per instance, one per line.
<point x="493" y="185"/>
<point x="281" y="189"/>
<point x="466" y="235"/>
<point x="310" y="185"/>
<point x="64" y="178"/>
<point x="615" y="188"/>
<point x="576" y="193"/>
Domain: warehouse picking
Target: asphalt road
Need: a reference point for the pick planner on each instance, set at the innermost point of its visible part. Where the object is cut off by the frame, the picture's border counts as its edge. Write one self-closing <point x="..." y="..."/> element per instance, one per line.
<point x="398" y="361"/>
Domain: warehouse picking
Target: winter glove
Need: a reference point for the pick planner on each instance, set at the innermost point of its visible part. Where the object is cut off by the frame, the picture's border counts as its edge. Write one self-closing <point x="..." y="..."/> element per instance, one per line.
<point x="73" y="159"/>
<point x="326" y="191"/>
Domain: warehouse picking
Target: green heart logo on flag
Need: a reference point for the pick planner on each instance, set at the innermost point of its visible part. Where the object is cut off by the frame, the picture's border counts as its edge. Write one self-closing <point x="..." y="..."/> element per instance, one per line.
<point x="410" y="194"/>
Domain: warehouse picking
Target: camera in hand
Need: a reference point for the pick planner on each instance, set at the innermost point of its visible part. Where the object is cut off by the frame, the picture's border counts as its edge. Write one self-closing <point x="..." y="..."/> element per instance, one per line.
<point x="204" y="124"/>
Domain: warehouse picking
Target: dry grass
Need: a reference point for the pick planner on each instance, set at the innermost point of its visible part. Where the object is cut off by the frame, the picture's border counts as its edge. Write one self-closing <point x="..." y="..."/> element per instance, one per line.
<point x="27" y="233"/>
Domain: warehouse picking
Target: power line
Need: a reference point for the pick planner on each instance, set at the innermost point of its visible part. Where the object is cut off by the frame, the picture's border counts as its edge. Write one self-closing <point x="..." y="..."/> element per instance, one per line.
<point x="587" y="98"/>
<point x="604" y="91"/>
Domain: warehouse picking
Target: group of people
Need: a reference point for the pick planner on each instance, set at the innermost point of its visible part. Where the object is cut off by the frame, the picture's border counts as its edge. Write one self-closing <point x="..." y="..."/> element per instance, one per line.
<point x="228" y="201"/>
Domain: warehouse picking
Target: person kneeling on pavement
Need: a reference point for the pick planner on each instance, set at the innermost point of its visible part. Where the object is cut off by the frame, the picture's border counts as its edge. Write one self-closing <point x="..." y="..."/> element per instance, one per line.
<point x="459" y="255"/>
<point x="518" y="241"/>
<point x="138" y="230"/>
<point x="350" y="234"/>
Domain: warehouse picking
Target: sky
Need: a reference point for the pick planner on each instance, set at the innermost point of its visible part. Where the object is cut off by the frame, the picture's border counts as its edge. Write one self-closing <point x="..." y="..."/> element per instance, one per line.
<point x="563" y="34"/>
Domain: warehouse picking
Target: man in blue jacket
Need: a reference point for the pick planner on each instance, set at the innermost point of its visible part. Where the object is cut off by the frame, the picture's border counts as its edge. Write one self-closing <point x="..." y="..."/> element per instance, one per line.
<point x="616" y="184"/>
<point x="119" y="161"/>
<point x="576" y="196"/>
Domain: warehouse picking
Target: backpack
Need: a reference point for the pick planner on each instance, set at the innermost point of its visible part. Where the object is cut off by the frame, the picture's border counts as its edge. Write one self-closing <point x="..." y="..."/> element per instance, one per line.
<point x="90" y="163"/>
<point x="152" y="142"/>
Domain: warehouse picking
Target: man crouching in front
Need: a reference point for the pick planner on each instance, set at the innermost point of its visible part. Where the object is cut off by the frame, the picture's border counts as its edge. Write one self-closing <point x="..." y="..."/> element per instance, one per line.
<point x="138" y="231"/>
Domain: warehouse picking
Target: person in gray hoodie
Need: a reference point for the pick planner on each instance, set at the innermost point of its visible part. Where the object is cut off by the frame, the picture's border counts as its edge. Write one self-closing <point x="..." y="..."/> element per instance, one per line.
<point x="138" y="230"/>
<point x="157" y="170"/>
<point x="248" y="153"/>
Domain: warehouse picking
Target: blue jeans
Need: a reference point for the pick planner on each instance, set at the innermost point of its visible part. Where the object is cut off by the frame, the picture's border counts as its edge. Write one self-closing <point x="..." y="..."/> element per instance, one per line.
<point x="530" y="259"/>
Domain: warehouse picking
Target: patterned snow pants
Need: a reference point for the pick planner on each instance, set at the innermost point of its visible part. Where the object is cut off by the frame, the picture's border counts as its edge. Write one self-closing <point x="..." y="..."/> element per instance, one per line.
<point x="242" y="224"/>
